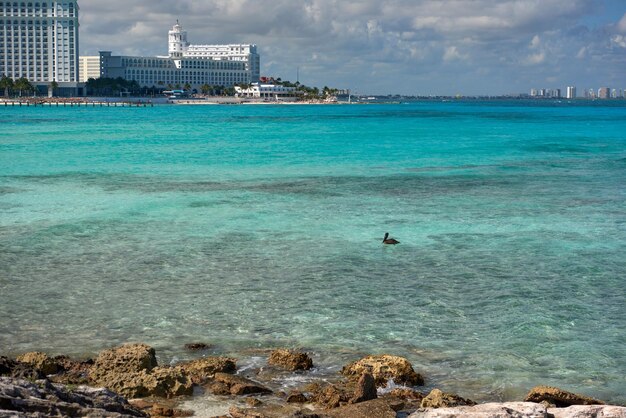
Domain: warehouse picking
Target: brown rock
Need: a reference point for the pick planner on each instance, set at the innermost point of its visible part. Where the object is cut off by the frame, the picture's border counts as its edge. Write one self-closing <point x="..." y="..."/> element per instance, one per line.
<point x="131" y="370"/>
<point x="197" y="346"/>
<point x="383" y="368"/>
<point x="129" y="358"/>
<point x="290" y="360"/>
<point x="365" y="389"/>
<point x="296" y="397"/>
<point x="253" y="402"/>
<point x="6" y="366"/>
<point x="438" y="399"/>
<point x="40" y="361"/>
<point x="329" y="396"/>
<point x="72" y="372"/>
<point x="406" y="393"/>
<point x="219" y="388"/>
<point x="205" y="368"/>
<point x="559" y="397"/>
<point x="377" y="408"/>
<point x="237" y="412"/>
<point x="239" y="385"/>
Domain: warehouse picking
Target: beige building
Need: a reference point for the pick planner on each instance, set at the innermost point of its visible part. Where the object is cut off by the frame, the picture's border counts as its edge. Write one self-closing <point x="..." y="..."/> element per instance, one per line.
<point x="88" y="67"/>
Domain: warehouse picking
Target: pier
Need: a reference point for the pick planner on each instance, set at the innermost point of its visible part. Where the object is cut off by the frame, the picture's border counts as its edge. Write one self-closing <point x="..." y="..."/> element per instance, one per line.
<point x="20" y="103"/>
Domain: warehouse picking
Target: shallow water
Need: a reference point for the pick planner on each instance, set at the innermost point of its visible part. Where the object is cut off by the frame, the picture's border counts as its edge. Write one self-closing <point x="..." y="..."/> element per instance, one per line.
<point x="253" y="227"/>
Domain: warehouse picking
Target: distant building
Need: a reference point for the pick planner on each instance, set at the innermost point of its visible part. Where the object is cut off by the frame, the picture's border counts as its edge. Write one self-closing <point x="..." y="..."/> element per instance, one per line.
<point x="571" y="92"/>
<point x="89" y="67"/>
<point x="39" y="41"/>
<point x="196" y="65"/>
<point x="604" y="93"/>
<point x="266" y="91"/>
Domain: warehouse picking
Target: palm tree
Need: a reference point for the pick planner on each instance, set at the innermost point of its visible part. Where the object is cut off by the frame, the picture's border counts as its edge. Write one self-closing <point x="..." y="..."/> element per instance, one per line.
<point x="205" y="88"/>
<point x="7" y="84"/>
<point x="187" y="86"/>
<point x="22" y="84"/>
<point x="52" y="87"/>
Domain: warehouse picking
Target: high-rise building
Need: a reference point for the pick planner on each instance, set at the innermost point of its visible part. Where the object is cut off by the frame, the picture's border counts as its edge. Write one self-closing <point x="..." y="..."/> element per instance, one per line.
<point x="571" y="92"/>
<point x="186" y="64"/>
<point x="39" y="41"/>
<point x="89" y="67"/>
<point x="604" y="93"/>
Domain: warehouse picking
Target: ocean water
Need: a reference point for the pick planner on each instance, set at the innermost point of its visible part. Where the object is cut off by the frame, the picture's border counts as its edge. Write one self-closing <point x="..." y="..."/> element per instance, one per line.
<point x="255" y="227"/>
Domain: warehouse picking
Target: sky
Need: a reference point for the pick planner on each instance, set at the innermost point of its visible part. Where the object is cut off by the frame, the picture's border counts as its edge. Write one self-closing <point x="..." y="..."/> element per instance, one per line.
<point x="413" y="47"/>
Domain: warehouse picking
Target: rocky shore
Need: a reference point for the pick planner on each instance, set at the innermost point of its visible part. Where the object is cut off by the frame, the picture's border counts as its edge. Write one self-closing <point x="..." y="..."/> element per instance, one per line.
<point x="127" y="381"/>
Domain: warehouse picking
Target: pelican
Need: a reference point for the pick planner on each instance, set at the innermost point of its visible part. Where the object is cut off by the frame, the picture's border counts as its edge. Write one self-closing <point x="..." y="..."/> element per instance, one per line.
<point x="390" y="241"/>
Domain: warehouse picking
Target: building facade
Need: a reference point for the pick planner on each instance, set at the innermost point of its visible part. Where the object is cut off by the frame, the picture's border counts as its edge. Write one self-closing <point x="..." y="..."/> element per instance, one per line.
<point x="39" y="41"/>
<point x="571" y="92"/>
<point x="267" y="91"/>
<point x="89" y="67"/>
<point x="186" y="64"/>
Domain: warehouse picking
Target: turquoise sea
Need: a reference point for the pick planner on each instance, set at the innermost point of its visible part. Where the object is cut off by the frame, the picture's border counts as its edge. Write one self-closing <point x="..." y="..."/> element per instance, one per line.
<point x="255" y="227"/>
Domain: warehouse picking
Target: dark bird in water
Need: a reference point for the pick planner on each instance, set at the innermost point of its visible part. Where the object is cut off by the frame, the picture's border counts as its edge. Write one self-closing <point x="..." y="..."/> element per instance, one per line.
<point x="390" y="241"/>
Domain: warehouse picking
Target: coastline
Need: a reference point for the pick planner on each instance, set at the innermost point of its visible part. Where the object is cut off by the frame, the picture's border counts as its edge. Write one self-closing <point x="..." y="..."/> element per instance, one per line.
<point x="215" y="386"/>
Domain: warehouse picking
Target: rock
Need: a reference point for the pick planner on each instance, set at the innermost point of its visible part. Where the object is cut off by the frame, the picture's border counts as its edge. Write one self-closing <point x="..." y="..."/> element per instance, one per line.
<point x="377" y="408"/>
<point x="253" y="402"/>
<point x="164" y="382"/>
<point x="296" y="397"/>
<point x="205" y="368"/>
<point x="290" y="360"/>
<point x="39" y="361"/>
<point x="237" y="412"/>
<point x="488" y="410"/>
<point x="71" y="371"/>
<point x="219" y="388"/>
<point x="129" y="358"/>
<point x="559" y="397"/>
<point x="438" y="399"/>
<point x="588" y="411"/>
<point x="383" y="368"/>
<point x="197" y="346"/>
<point x="6" y="366"/>
<point x="405" y="393"/>
<point x="238" y="385"/>
<point x="131" y="370"/>
<point x="365" y="389"/>
<point x="329" y="396"/>
<point x="25" y="399"/>
<point x="159" y="410"/>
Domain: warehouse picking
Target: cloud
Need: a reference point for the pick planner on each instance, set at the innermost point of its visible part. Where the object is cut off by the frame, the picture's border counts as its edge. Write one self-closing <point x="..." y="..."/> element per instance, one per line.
<point x="378" y="45"/>
<point x="621" y="26"/>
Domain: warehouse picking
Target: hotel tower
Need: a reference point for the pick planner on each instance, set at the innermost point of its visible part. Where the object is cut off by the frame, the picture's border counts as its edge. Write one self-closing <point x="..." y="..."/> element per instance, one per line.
<point x="39" y="41"/>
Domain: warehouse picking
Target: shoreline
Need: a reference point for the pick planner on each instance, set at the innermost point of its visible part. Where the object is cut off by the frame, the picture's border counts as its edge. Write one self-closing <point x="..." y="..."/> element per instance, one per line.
<point x="284" y="383"/>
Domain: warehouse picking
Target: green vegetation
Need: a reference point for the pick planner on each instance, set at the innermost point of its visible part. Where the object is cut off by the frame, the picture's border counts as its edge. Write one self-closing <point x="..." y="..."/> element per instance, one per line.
<point x="21" y="86"/>
<point x="112" y="87"/>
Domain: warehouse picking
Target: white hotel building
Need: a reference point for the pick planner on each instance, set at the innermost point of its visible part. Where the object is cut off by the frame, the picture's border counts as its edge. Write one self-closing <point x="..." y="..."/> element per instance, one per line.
<point x="215" y="65"/>
<point x="39" y="41"/>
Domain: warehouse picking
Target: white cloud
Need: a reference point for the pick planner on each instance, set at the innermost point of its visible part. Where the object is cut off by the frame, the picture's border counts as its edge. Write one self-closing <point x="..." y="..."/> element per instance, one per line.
<point x="619" y="40"/>
<point x="340" y="42"/>
<point x="452" y="53"/>
<point x="535" y="59"/>
<point x="621" y="26"/>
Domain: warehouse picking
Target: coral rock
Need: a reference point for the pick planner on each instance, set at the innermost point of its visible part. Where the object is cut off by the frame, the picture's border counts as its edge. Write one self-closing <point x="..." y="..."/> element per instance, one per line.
<point x="290" y="360"/>
<point x="439" y="399"/>
<point x="558" y="397"/>
<point x="205" y="368"/>
<point x="365" y="389"/>
<point x="488" y="410"/>
<point x="239" y="385"/>
<point x="40" y="361"/>
<point x="383" y="368"/>
<point x="377" y="408"/>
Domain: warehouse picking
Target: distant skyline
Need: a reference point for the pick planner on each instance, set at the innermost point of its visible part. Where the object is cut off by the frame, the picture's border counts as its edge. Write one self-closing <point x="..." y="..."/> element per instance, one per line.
<point x="410" y="47"/>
